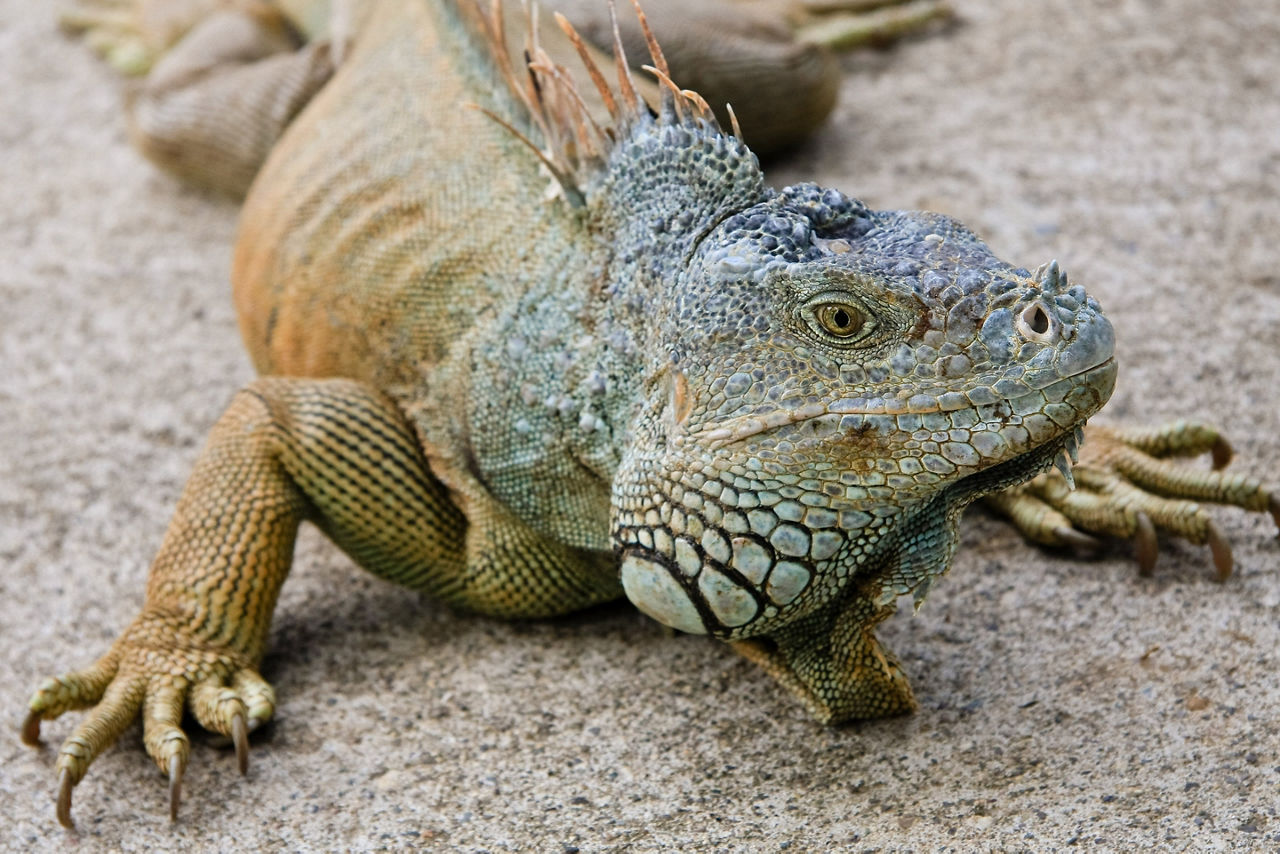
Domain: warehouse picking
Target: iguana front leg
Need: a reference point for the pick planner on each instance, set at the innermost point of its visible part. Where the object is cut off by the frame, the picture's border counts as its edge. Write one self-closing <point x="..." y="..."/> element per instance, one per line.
<point x="1129" y="484"/>
<point x="330" y="451"/>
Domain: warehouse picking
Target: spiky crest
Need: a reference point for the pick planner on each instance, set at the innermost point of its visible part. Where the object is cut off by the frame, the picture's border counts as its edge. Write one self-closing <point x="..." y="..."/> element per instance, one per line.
<point x="574" y="145"/>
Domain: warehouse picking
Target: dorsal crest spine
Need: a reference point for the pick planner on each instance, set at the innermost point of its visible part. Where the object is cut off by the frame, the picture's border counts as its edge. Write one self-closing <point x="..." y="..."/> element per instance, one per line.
<point x="574" y="145"/>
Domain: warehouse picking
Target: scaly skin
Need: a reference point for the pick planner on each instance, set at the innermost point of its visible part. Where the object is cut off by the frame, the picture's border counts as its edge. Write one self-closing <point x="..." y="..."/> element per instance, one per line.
<point x="758" y="414"/>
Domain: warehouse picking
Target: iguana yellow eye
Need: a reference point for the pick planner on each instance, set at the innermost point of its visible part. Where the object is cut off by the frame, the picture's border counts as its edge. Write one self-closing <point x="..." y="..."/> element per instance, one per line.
<point x="840" y="319"/>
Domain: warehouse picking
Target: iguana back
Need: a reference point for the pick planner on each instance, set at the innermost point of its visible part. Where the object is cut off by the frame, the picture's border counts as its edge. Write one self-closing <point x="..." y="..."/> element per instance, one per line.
<point x="391" y="216"/>
<point x="402" y="238"/>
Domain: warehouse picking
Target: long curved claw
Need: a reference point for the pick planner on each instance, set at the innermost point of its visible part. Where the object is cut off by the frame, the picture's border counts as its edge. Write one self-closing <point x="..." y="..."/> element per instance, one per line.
<point x="240" y="738"/>
<point x="1077" y="539"/>
<point x="176" y="767"/>
<point x="1146" y="548"/>
<point x="1222" y="560"/>
<point x="1221" y="453"/>
<point x="31" y="730"/>
<point x="232" y="710"/>
<point x="65" y="785"/>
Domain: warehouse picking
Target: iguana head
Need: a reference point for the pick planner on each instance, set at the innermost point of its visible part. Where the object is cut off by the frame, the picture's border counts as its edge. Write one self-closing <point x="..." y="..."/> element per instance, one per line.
<point x="835" y="384"/>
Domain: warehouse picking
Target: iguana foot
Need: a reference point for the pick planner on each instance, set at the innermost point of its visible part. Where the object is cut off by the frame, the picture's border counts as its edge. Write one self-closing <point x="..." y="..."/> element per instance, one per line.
<point x="132" y="34"/>
<point x="1129" y="485"/>
<point x="851" y="24"/>
<point x="151" y="672"/>
<point x="110" y="29"/>
<point x="215" y="104"/>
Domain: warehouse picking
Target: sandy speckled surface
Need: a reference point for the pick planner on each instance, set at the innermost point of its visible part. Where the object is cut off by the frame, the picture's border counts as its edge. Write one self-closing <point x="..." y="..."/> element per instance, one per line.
<point x="1064" y="703"/>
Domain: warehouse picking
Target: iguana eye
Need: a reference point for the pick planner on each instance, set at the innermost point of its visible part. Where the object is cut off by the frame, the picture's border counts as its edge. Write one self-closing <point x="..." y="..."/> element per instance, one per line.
<point x="837" y="318"/>
<point x="840" y="320"/>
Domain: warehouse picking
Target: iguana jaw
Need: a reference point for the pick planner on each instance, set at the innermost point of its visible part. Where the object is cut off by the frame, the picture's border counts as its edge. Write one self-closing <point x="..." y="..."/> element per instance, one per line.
<point x="835" y="491"/>
<point x="738" y="429"/>
<point x="662" y="555"/>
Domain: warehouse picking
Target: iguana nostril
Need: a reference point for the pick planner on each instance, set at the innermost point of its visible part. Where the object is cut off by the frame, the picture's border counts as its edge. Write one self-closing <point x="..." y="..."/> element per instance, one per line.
<point x="1034" y="323"/>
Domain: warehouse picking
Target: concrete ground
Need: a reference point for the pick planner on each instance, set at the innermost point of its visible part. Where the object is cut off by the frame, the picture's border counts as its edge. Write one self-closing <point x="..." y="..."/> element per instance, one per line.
<point x="1064" y="703"/>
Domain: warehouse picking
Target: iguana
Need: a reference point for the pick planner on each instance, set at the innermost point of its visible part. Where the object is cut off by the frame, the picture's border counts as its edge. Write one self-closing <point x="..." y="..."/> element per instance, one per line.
<point x="527" y="360"/>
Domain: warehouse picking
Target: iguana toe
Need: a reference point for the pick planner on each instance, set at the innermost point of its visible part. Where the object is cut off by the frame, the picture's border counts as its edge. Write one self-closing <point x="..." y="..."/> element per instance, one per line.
<point x="1133" y="484"/>
<point x="224" y="710"/>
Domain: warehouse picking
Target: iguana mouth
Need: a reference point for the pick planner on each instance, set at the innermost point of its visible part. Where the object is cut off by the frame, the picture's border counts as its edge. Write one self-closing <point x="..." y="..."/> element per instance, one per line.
<point x="1017" y="469"/>
<point x="744" y="427"/>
